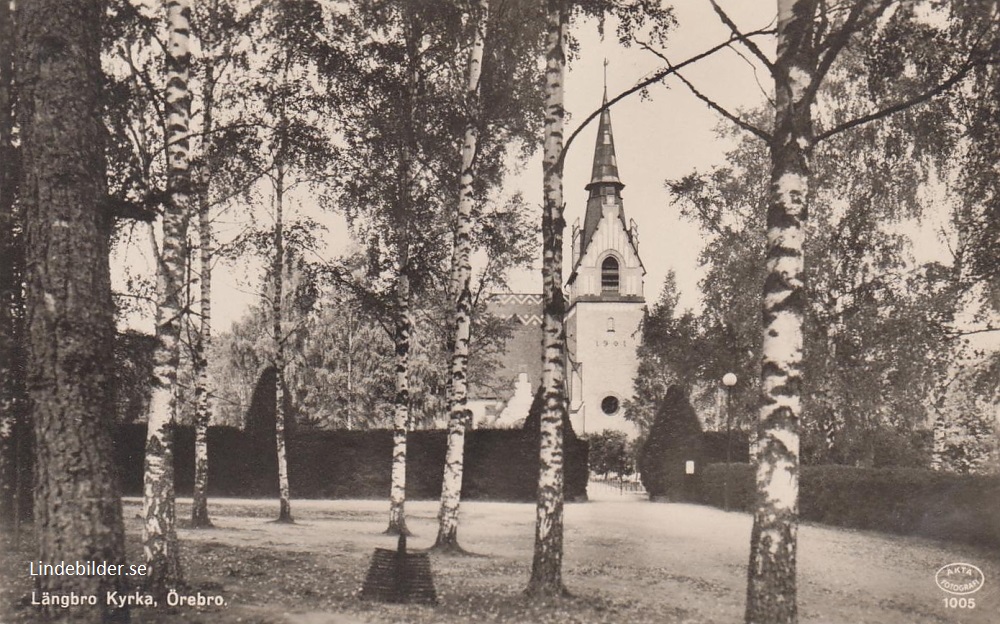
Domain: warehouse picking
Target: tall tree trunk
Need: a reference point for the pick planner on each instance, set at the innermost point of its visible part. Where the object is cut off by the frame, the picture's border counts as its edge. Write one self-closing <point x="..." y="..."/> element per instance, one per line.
<point x="285" y="510"/>
<point x="401" y="415"/>
<point x="159" y="533"/>
<point x="12" y="400"/>
<point x="350" y="367"/>
<point x="403" y="321"/>
<point x="546" y="567"/>
<point x="203" y="416"/>
<point x="70" y="315"/>
<point x="771" y="584"/>
<point x="458" y="421"/>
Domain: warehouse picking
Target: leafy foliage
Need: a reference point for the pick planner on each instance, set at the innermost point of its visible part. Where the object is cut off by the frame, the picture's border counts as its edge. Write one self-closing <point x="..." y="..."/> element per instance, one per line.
<point x="879" y="335"/>
<point x="670" y="353"/>
<point x="609" y="451"/>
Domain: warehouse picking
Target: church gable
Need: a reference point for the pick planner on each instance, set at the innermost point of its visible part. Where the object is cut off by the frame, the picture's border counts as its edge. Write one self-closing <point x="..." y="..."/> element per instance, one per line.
<point x="611" y="237"/>
<point x="610" y="265"/>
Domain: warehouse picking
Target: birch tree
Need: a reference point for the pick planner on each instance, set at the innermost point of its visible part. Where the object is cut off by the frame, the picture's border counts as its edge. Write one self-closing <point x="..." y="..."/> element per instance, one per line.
<point x="159" y="533"/>
<point x="546" y="566"/>
<point x="285" y="507"/>
<point x="70" y="317"/>
<point x="401" y="97"/>
<point x="403" y="316"/>
<point x="288" y="111"/>
<point x="810" y="37"/>
<point x="451" y="487"/>
<point x="202" y="396"/>
<point x="395" y="123"/>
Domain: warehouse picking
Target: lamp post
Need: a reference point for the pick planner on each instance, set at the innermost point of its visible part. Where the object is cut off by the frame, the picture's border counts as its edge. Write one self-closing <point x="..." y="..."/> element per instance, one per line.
<point x="728" y="380"/>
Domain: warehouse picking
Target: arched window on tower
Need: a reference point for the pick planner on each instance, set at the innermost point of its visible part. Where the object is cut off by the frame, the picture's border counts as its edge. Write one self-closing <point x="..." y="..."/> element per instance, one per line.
<point x="609" y="275"/>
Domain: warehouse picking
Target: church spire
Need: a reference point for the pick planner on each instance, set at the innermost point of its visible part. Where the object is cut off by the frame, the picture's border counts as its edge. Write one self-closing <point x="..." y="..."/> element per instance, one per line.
<point x="605" y="169"/>
<point x="604" y="189"/>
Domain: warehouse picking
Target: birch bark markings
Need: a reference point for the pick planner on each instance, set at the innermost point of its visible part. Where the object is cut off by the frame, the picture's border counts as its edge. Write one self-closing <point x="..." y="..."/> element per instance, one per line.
<point x="546" y="568"/>
<point x="69" y="311"/>
<point x="771" y="584"/>
<point x="159" y="534"/>
<point x="285" y="506"/>
<point x="451" y="489"/>
<point x="203" y="406"/>
<point x="401" y="415"/>
<point x="404" y="322"/>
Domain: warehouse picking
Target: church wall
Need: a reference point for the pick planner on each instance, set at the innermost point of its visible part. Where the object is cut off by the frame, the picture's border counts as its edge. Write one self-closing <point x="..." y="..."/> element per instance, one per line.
<point x="522" y="350"/>
<point x="605" y="360"/>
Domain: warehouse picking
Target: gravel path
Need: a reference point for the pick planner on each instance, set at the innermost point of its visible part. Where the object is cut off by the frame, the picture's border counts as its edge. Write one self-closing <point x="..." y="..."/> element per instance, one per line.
<point x="844" y="575"/>
<point x="651" y="561"/>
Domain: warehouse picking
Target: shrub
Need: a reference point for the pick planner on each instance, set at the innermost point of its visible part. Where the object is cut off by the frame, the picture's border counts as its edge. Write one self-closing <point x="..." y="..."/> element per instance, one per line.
<point x="674" y="439"/>
<point x="575" y="452"/>
<point x="740" y="479"/>
<point x="499" y="464"/>
<point x="907" y="501"/>
<point x="880" y="447"/>
<point x="714" y="443"/>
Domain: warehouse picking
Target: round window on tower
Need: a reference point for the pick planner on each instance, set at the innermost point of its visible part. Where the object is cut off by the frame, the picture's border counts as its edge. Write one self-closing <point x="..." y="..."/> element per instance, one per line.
<point x="610" y="405"/>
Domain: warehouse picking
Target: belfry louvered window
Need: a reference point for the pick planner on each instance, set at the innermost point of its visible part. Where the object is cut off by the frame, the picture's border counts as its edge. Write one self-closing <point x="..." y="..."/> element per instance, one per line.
<point x="609" y="275"/>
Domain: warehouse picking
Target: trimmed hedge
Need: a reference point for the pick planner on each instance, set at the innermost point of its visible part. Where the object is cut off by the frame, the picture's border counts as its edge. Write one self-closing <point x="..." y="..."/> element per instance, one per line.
<point x="500" y="464"/>
<point x="674" y="439"/>
<point x="712" y="485"/>
<point x="907" y="501"/>
<point x="714" y="443"/>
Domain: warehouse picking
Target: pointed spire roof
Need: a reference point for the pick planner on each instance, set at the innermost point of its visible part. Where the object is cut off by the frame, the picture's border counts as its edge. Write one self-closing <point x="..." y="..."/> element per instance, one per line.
<point x="605" y="169"/>
<point x="605" y="187"/>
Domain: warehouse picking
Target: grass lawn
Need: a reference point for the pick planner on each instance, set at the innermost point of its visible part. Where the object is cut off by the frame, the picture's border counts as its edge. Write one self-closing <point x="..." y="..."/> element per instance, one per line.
<point x="627" y="560"/>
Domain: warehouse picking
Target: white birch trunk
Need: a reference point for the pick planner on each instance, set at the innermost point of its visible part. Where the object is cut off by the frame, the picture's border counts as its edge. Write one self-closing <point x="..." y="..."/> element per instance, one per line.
<point x="199" y="507"/>
<point x="771" y="585"/>
<point x="159" y="532"/>
<point x="401" y="414"/>
<point x="458" y="421"/>
<point x="285" y="509"/>
<point x="404" y="323"/>
<point x="546" y="568"/>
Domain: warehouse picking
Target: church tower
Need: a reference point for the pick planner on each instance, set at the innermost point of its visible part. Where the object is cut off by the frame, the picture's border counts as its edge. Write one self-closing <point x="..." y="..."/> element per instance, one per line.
<point x="605" y="299"/>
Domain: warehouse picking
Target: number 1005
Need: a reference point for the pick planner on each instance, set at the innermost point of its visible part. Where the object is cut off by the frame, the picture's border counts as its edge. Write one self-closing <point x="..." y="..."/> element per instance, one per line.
<point x="960" y="603"/>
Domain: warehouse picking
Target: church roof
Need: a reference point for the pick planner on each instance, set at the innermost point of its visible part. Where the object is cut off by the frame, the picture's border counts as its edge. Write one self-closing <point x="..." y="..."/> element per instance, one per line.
<point x="605" y="168"/>
<point x="604" y="174"/>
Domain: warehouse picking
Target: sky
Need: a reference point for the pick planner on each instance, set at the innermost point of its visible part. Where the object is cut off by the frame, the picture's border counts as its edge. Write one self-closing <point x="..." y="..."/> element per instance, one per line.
<point x="665" y="136"/>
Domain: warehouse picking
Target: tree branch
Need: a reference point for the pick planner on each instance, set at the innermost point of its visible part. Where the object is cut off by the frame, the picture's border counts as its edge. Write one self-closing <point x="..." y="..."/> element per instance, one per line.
<point x="656" y="77"/>
<point x="121" y="208"/>
<point x="836" y="42"/>
<point x="752" y="129"/>
<point x="970" y="332"/>
<point x="749" y="44"/>
<point x="899" y="106"/>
